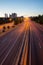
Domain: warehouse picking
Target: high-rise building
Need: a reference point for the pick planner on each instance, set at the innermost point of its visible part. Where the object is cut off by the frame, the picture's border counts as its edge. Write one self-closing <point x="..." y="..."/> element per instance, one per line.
<point x="6" y="15"/>
<point x="13" y="15"/>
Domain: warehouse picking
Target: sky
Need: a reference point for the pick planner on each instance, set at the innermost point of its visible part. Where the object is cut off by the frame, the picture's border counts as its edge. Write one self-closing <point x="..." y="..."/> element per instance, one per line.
<point x="21" y="7"/>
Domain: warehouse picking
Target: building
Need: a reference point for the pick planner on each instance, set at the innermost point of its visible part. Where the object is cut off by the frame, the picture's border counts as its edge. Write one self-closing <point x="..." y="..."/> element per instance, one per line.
<point x="13" y="15"/>
<point x="6" y="15"/>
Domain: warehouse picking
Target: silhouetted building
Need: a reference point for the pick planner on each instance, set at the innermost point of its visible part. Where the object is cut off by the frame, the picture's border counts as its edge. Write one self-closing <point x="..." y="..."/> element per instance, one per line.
<point x="6" y="15"/>
<point x="13" y="15"/>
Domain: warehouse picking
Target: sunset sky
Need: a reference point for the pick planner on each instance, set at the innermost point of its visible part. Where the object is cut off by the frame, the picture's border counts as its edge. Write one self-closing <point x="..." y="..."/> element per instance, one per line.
<point x="21" y="7"/>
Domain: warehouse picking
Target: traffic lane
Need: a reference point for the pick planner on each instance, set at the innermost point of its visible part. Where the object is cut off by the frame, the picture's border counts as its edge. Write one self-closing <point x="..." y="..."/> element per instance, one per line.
<point x="24" y="58"/>
<point x="37" y="45"/>
<point x="6" y="49"/>
<point x="20" y="30"/>
<point x="32" y="60"/>
<point x="14" y="52"/>
<point x="21" y="51"/>
<point x="22" y="62"/>
<point x="38" y="26"/>
<point x="37" y="31"/>
<point x="13" y="35"/>
<point x="12" y="31"/>
<point x="4" y="44"/>
<point x="39" y="35"/>
<point x="28" y="53"/>
<point x="37" y="51"/>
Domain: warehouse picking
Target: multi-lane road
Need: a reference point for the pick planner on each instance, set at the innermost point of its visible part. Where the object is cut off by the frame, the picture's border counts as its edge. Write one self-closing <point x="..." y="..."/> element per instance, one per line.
<point x="23" y="45"/>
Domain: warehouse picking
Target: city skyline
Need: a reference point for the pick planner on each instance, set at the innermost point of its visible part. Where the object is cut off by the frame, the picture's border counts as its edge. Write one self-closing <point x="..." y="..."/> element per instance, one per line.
<point x="21" y="7"/>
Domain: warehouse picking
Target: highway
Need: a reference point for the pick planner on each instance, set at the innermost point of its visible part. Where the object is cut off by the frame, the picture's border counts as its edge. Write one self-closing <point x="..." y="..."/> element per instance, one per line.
<point x="23" y="45"/>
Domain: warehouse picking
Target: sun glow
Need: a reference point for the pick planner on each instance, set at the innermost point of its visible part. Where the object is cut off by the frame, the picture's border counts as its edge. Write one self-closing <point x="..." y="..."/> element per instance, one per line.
<point x="26" y="18"/>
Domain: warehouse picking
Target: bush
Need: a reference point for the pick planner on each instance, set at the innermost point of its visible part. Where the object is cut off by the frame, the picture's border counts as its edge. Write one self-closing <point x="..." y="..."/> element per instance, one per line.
<point x="4" y="27"/>
<point x="38" y="19"/>
<point x="8" y="27"/>
<point x="13" y="26"/>
<point x="3" y="30"/>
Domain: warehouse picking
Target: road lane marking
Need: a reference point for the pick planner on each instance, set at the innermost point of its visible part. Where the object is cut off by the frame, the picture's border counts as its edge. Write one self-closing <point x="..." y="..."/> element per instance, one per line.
<point x="20" y="49"/>
<point x="39" y="45"/>
<point x="25" y="59"/>
<point x="9" y="51"/>
<point x="23" y="55"/>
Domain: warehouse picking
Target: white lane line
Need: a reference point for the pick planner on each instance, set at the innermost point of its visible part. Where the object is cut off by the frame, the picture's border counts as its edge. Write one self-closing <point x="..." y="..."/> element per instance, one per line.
<point x="30" y="55"/>
<point x="39" y="45"/>
<point x="30" y="46"/>
<point x="26" y="52"/>
<point x="20" y="49"/>
<point x="4" y="40"/>
<point x="23" y="55"/>
<point x="9" y="51"/>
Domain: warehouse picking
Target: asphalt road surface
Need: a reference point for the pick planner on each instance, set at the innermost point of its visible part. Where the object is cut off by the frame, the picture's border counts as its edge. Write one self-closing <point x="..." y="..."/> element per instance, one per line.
<point x="23" y="45"/>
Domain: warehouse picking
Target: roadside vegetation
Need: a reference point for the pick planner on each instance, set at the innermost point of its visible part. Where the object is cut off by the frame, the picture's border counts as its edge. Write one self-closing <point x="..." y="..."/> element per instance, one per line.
<point x="4" y="28"/>
<point x="15" y="21"/>
<point x="38" y="19"/>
